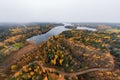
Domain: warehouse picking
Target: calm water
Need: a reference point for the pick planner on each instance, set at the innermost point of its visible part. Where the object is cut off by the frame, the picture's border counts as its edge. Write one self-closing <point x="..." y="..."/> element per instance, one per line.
<point x="40" y="38"/>
<point x="55" y="31"/>
<point x="86" y="28"/>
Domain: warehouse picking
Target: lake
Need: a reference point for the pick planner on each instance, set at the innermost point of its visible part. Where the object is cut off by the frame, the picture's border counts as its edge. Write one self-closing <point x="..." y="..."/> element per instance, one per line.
<point x="54" y="31"/>
<point x="86" y="28"/>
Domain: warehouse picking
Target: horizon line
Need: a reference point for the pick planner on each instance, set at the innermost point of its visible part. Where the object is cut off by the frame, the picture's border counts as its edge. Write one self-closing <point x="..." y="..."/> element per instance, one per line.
<point x="56" y="22"/>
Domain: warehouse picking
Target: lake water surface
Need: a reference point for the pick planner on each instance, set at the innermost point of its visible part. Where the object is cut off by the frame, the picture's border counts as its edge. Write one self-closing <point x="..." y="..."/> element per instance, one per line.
<point x="86" y="28"/>
<point x="54" y="31"/>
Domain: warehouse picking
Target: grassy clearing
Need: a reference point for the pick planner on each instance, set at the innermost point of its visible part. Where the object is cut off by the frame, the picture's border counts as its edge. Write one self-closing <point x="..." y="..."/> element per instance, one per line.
<point x="18" y="45"/>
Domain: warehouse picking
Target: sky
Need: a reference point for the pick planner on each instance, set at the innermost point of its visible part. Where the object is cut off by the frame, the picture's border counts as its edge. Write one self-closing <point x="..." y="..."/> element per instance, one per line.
<point x="59" y="10"/>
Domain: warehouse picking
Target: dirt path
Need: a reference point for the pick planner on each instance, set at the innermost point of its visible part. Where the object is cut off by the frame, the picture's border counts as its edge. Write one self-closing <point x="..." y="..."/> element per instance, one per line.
<point x="14" y="56"/>
<point x="72" y="74"/>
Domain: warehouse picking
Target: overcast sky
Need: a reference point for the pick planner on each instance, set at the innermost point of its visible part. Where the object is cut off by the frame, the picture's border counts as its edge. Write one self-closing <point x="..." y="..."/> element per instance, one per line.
<point x="59" y="10"/>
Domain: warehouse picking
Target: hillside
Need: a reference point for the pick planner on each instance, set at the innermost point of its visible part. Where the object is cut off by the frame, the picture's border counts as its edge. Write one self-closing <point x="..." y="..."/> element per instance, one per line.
<point x="72" y="55"/>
